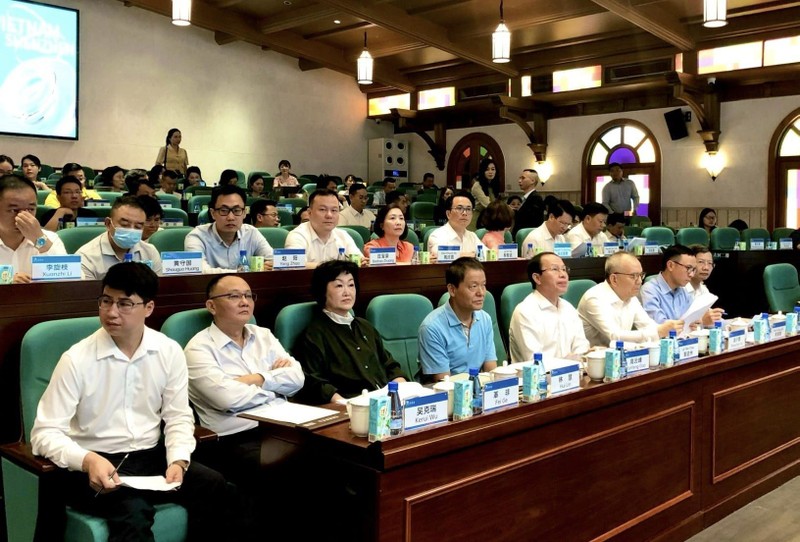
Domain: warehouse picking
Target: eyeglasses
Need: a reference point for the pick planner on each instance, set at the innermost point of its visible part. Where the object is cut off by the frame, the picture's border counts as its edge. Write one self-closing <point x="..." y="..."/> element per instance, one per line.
<point x="634" y="276"/>
<point x="706" y="263"/>
<point x="233" y="298"/>
<point x="273" y="215"/>
<point x="462" y="210"/>
<point x="562" y="269"/>
<point x="225" y="211"/>
<point x="689" y="268"/>
<point x="124" y="306"/>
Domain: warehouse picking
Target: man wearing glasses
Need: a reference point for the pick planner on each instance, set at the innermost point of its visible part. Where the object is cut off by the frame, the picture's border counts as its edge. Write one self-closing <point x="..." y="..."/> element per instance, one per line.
<point x="697" y="287"/>
<point x="543" y="322"/>
<point x="264" y="214"/>
<point x="611" y="311"/>
<point x="665" y="297"/>
<point x="559" y="220"/>
<point x="221" y="241"/>
<point x="459" y="211"/>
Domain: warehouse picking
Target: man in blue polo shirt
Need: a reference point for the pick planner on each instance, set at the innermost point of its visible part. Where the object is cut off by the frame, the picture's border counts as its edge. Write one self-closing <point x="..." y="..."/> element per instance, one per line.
<point x="665" y="297"/>
<point x="458" y="335"/>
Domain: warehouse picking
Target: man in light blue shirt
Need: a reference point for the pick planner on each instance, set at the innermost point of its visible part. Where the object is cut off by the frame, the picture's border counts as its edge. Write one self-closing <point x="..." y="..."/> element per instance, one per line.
<point x="458" y="335"/>
<point x="221" y="241"/>
<point x="665" y="298"/>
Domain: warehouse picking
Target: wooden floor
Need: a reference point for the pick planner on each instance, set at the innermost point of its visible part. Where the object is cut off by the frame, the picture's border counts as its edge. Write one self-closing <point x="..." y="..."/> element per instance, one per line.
<point x="775" y="517"/>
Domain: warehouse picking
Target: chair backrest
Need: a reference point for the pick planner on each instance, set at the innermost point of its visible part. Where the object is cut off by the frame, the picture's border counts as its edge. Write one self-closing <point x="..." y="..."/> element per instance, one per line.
<point x="112" y="196"/>
<point x="177" y="213"/>
<point x="755" y="233"/>
<point x="203" y="217"/>
<point x="296" y="203"/>
<point x="428" y="197"/>
<point x="362" y="231"/>
<point x="182" y="326"/>
<point x="426" y="235"/>
<point x="641" y="221"/>
<point x="512" y="295"/>
<point x="633" y="231"/>
<point x="480" y="232"/>
<point x="75" y="238"/>
<point x="354" y="234"/>
<point x="661" y="235"/>
<point x="400" y="335"/>
<point x="195" y="203"/>
<point x="172" y="199"/>
<point x="422" y="211"/>
<point x="276" y="237"/>
<point x="648" y="278"/>
<point x="575" y="290"/>
<point x="291" y="322"/>
<point x="412" y="238"/>
<point x="521" y="235"/>
<point x="781" y="286"/>
<point x="724" y="238"/>
<point x="308" y="188"/>
<point x="170" y="239"/>
<point x="692" y="236"/>
<point x="41" y="196"/>
<point x="781" y="233"/>
<point x="41" y="209"/>
<point x="286" y="217"/>
<point x="42" y="347"/>
<point x="491" y="308"/>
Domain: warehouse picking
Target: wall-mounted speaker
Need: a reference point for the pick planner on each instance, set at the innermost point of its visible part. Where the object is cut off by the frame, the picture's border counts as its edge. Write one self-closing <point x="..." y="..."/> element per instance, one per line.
<point x="676" y="124"/>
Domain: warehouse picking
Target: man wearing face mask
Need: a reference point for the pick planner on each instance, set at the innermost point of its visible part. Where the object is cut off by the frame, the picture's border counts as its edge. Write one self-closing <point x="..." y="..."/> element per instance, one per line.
<point x="123" y="236"/>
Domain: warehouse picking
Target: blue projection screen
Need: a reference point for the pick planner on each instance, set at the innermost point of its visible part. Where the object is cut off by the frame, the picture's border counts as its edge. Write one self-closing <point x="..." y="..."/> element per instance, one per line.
<point x="38" y="70"/>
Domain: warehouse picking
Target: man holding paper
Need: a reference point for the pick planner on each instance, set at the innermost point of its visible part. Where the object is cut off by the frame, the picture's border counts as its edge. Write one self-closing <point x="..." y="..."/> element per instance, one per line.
<point x="697" y="288"/>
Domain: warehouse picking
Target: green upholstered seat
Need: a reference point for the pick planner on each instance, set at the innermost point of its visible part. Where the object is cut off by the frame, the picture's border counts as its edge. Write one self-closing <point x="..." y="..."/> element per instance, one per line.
<point x="781" y="287"/>
<point x="286" y="217"/>
<point x="362" y="231"/>
<point x="291" y="322"/>
<point x="422" y="212"/>
<point x="112" y="196"/>
<point x="724" y="238"/>
<point x="41" y="196"/>
<point x="309" y="188"/>
<point x="176" y="213"/>
<point x="520" y="238"/>
<point x="426" y="235"/>
<point x="648" y="278"/>
<point x="296" y="203"/>
<point x="170" y="239"/>
<point x="508" y="237"/>
<point x="75" y="238"/>
<point x="196" y="203"/>
<point x="633" y="231"/>
<point x="661" y="235"/>
<point x="781" y="233"/>
<point x="491" y="308"/>
<point x="276" y="237"/>
<point x="575" y="290"/>
<point x="172" y="199"/>
<point x="429" y="196"/>
<point x="41" y="209"/>
<point x="512" y="295"/>
<point x="184" y="325"/>
<point x="203" y="217"/>
<point x="354" y="234"/>
<point x="641" y="221"/>
<point x="755" y="233"/>
<point x="692" y="236"/>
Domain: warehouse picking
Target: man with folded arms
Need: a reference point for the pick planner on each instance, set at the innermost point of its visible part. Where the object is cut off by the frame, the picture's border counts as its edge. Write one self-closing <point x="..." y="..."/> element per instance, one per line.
<point x="611" y="311"/>
<point x="697" y="287"/>
<point x="590" y="230"/>
<point x="357" y="214"/>
<point x="319" y="236"/>
<point x="458" y="210"/>
<point x="559" y="220"/>
<point x="543" y="322"/>
<point x="665" y="297"/>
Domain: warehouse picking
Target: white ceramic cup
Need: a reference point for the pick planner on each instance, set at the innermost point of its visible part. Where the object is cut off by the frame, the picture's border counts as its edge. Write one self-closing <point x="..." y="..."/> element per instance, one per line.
<point x="596" y="364"/>
<point x="503" y="372"/>
<point x="358" y="410"/>
<point x="654" y="351"/>
<point x="702" y="340"/>
<point x="449" y="387"/>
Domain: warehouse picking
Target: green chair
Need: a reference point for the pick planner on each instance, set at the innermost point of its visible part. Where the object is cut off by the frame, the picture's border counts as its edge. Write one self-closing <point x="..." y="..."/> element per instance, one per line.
<point x="633" y="231"/>
<point x="692" y="236"/>
<point x="296" y="203"/>
<point x="170" y="239"/>
<point x="575" y="290"/>
<point x="400" y="335"/>
<point x="781" y="233"/>
<point x="291" y="322"/>
<point x="508" y="237"/>
<point x="661" y="235"/>
<point x="75" y="238"/>
<point x="172" y="199"/>
<point x="182" y="326"/>
<point x="288" y="227"/>
<point x="263" y="174"/>
<point x="52" y="179"/>
<point x="196" y="190"/>
<point x="177" y="213"/>
<point x="491" y="308"/>
<point x="41" y="195"/>
<point x="364" y="232"/>
<point x="196" y="203"/>
<point x="286" y="217"/>
<point x="422" y="212"/>
<point x="641" y="221"/>
<point x="203" y="217"/>
<point x="724" y="238"/>
<point x="512" y="295"/>
<point x="521" y="235"/>
<point x="648" y="278"/>
<point x="427" y="234"/>
<point x="45" y="171"/>
<point x="276" y="237"/>
<point x="781" y="286"/>
<point x="755" y="233"/>
<point x="112" y="196"/>
<point x="428" y="197"/>
<point x="355" y="235"/>
<point x="41" y="210"/>
<point x="308" y="188"/>
<point x="41" y="349"/>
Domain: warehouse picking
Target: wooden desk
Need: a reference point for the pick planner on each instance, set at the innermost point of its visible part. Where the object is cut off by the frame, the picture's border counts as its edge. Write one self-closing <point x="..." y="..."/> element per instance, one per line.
<point x="657" y="456"/>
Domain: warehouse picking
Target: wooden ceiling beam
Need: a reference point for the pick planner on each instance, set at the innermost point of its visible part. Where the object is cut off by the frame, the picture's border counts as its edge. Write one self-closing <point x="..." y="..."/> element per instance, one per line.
<point x="224" y="39"/>
<point x="295" y="17"/>
<point x="652" y="19"/>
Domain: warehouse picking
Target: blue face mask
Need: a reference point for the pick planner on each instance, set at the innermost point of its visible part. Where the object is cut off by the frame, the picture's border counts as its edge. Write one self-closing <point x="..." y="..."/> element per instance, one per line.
<point x="126" y="237"/>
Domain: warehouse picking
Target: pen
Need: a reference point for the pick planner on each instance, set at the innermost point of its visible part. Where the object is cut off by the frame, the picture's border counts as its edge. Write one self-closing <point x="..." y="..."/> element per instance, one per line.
<point x="113" y="473"/>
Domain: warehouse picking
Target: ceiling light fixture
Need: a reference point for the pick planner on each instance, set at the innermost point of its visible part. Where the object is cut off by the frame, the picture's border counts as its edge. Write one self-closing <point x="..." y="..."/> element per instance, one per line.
<point x="714" y="13"/>
<point x="501" y="41"/>
<point x="364" y="65"/>
<point x="181" y="12"/>
<point x="337" y="21"/>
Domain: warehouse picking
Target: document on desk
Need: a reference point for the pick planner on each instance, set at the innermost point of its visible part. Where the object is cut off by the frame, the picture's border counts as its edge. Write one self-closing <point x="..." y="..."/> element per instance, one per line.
<point x="696" y="310"/>
<point x="148" y="483"/>
<point x="286" y="412"/>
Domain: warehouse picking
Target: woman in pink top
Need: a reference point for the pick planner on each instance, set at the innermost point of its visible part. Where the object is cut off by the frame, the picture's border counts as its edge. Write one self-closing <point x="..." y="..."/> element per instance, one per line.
<point x="497" y="218"/>
<point x="391" y="229"/>
<point x="284" y="177"/>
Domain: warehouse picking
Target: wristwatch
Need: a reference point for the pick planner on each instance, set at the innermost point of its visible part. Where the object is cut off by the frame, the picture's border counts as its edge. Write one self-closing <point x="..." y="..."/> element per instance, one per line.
<point x="40" y="242"/>
<point x="182" y="464"/>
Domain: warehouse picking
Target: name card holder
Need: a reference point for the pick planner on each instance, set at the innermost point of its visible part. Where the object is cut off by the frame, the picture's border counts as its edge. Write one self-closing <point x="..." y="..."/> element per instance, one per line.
<point x="778" y="330"/>
<point x="736" y="339"/>
<point x="501" y="393"/>
<point x="171" y="222"/>
<point x="757" y="244"/>
<point x="426" y="410"/>
<point x="383" y="256"/>
<point x="97" y="203"/>
<point x="562" y="250"/>
<point x="637" y="360"/>
<point x="447" y="253"/>
<point x="181" y="263"/>
<point x="688" y="348"/>
<point x="610" y="248"/>
<point x="507" y="252"/>
<point x="785" y="243"/>
<point x="165" y="204"/>
<point x="82" y="221"/>
<point x="45" y="268"/>
<point x="565" y="378"/>
<point x="651" y="247"/>
<point x="289" y="258"/>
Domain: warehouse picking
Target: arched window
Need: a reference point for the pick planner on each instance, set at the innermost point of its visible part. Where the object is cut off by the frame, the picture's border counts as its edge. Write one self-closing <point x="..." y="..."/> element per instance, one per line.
<point x="467" y="155"/>
<point x="631" y="144"/>
<point x="783" y="186"/>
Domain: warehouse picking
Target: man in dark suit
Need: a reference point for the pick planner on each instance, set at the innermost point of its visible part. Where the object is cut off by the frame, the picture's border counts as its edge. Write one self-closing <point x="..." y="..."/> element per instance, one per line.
<point x="531" y="214"/>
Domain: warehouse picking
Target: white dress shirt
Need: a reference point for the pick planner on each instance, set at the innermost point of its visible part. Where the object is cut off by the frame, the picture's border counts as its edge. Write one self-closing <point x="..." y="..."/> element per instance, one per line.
<point x="694" y="293"/>
<point x="539" y="326"/>
<point x="542" y="239"/>
<point x="97" y="256"/>
<point x="578" y="235"/>
<point x="446" y="235"/>
<point x="607" y="318"/>
<point x="351" y="217"/>
<point x="304" y="236"/>
<point x="20" y="259"/>
<point x="215" y="361"/>
<point x="100" y="400"/>
<point x="219" y="257"/>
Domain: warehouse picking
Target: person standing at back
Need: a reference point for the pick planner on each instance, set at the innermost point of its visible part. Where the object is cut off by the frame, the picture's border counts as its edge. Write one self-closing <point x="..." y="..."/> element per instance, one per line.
<point x="171" y="155"/>
<point x="620" y="194"/>
<point x="531" y="213"/>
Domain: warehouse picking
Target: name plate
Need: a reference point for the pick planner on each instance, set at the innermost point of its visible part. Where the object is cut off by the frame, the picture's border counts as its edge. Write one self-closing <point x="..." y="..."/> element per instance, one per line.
<point x="56" y="267"/>
<point x="97" y="203"/>
<point x="778" y="330"/>
<point x="171" y="222"/>
<point x="447" y="253"/>
<point x="507" y="252"/>
<point x="637" y="360"/>
<point x="181" y="263"/>
<point x="383" y="256"/>
<point x="82" y="221"/>
<point x="736" y="339"/>
<point x="610" y="248"/>
<point x="426" y="410"/>
<point x="785" y="243"/>
<point x="288" y="258"/>
<point x="756" y="244"/>
<point x="501" y="393"/>
<point x="565" y="378"/>
<point x="562" y="250"/>
<point x="688" y="348"/>
<point x="651" y="247"/>
<point x="166" y="204"/>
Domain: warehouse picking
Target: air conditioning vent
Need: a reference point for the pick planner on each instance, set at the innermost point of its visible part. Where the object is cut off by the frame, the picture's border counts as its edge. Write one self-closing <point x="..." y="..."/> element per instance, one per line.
<point x="627" y="72"/>
<point x="482" y="91"/>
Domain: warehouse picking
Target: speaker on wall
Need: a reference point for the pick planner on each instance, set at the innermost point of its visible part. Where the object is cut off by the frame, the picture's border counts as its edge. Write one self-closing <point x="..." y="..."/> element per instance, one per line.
<point x="676" y="124"/>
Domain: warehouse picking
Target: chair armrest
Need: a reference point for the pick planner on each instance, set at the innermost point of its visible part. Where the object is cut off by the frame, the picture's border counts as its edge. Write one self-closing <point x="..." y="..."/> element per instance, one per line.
<point x="21" y="454"/>
<point x="202" y="434"/>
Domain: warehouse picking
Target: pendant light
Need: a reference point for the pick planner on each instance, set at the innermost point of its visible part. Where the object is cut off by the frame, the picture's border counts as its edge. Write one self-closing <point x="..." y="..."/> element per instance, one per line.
<point x="501" y="41"/>
<point x="714" y="13"/>
<point x="364" y="65"/>
<point x="181" y="12"/>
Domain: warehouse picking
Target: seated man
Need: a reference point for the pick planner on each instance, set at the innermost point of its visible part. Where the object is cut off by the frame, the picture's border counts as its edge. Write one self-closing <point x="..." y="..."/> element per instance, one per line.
<point x="543" y="322"/>
<point x="395" y="196"/>
<point x="389" y="185"/>
<point x="221" y="241"/>
<point x="458" y="335"/>
<point x="74" y="170"/>
<point x="611" y="311"/>
<point x="665" y="297"/>
<point x="459" y="211"/>
<point x="102" y="414"/>
<point x="429" y="182"/>
<point x="134" y="178"/>
<point x="341" y="354"/>
<point x="169" y="183"/>
<point x="70" y="205"/>
<point x="615" y="228"/>
<point x="123" y="236"/>
<point x="21" y="236"/>
<point x="590" y="230"/>
<point x="697" y="287"/>
<point x="154" y="214"/>
<point x="319" y="236"/>
<point x="141" y="187"/>
<point x="357" y="214"/>
<point x="559" y="220"/>
<point x="264" y="214"/>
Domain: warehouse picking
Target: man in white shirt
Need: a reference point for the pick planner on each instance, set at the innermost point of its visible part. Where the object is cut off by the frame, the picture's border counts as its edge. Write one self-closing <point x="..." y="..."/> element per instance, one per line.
<point x="21" y="235"/>
<point x="102" y="414"/>
<point x="459" y="211"/>
<point x="611" y="311"/>
<point x="697" y="286"/>
<point x="543" y="322"/>
<point x="319" y="236"/>
<point x="389" y="185"/>
<point x="559" y="220"/>
<point x="590" y="230"/>
<point x="615" y="228"/>
<point x="357" y="214"/>
<point x="123" y="236"/>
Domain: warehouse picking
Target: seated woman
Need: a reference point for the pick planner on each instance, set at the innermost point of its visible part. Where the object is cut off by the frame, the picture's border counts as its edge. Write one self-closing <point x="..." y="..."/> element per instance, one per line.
<point x="31" y="167"/>
<point x="515" y="202"/>
<point x="440" y="211"/>
<point x="114" y="178"/>
<point x="707" y="220"/>
<point x="228" y="176"/>
<point x="391" y="229"/>
<point x="341" y="354"/>
<point x="497" y="219"/>
<point x="194" y="177"/>
<point x="255" y="186"/>
<point x="285" y="177"/>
